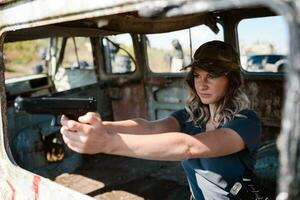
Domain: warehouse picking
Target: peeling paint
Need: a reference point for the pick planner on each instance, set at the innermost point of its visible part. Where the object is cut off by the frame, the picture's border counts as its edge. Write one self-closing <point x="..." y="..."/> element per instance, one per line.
<point x="12" y="189"/>
<point x="35" y="186"/>
<point x="7" y="192"/>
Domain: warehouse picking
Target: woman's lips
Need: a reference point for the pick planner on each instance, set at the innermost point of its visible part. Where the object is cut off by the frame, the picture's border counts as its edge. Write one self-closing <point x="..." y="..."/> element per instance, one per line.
<point x="205" y="95"/>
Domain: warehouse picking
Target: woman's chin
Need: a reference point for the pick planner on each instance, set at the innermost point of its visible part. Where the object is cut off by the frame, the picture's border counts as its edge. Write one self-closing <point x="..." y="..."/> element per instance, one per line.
<point x="206" y="101"/>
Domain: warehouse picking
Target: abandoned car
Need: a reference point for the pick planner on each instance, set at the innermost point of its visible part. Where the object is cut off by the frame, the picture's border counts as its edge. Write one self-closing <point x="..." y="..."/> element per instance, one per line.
<point x="125" y="57"/>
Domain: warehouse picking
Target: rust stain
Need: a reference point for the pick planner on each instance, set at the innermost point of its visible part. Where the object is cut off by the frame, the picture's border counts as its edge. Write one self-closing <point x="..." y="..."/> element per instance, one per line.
<point x="12" y="189"/>
<point x="131" y="103"/>
<point x="35" y="186"/>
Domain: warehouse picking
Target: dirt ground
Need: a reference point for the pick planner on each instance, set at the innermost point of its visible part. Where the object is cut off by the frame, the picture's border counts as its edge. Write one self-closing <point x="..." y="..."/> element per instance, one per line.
<point x="107" y="177"/>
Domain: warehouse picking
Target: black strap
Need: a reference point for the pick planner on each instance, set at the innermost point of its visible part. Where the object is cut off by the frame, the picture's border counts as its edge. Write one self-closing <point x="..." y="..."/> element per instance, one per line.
<point x="248" y="189"/>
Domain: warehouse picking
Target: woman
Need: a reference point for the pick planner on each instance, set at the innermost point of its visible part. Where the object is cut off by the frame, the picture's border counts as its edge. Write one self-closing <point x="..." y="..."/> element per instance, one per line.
<point x="215" y="136"/>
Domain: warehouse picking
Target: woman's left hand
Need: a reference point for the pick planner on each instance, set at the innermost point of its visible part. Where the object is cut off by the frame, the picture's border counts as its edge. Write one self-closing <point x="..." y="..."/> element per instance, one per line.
<point x="87" y="135"/>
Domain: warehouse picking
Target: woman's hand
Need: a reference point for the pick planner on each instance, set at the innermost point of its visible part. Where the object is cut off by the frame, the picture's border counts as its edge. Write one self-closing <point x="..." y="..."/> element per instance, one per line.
<point x="87" y="135"/>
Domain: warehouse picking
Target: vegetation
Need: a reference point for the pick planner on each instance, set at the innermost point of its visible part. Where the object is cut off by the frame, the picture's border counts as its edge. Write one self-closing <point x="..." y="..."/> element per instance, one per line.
<point x="20" y="57"/>
<point x="159" y="59"/>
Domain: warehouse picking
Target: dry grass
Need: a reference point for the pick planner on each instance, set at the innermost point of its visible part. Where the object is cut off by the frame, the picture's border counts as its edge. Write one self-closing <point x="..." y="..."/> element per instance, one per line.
<point x="20" y="57"/>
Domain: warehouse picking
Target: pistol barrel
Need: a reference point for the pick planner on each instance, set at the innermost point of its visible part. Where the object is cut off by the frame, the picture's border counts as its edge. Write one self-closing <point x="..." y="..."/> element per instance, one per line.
<point x="55" y="105"/>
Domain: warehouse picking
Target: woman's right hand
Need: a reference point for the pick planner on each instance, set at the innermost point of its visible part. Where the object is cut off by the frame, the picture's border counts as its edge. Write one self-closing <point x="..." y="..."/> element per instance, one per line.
<point x="87" y="135"/>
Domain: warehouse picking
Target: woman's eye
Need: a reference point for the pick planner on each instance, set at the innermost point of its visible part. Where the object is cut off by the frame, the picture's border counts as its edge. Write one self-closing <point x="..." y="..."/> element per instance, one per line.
<point x="209" y="76"/>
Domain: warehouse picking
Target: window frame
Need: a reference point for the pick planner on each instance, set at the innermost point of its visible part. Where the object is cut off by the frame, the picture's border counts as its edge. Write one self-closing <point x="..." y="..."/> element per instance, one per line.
<point x="251" y="74"/>
<point x="173" y="74"/>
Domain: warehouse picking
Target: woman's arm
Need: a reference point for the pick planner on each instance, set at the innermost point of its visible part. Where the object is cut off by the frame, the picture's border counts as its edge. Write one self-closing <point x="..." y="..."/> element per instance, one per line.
<point x="176" y="145"/>
<point x="142" y="126"/>
<point x="89" y="135"/>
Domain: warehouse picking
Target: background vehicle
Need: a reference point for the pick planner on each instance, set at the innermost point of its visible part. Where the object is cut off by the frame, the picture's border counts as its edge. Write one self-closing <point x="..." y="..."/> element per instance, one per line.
<point x="81" y="40"/>
<point x="267" y="63"/>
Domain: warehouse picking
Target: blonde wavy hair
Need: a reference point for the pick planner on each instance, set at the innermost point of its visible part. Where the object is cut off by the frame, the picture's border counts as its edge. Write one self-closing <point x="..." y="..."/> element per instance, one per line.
<point x="229" y="106"/>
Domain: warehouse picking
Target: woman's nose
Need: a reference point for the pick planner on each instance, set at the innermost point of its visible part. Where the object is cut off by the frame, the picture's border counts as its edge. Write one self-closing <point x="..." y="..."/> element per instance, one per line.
<point x="202" y="84"/>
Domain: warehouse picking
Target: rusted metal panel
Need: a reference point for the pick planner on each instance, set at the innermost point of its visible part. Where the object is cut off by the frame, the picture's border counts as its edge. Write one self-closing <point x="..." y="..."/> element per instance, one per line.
<point x="112" y="17"/>
<point x="266" y="99"/>
<point x="128" y="102"/>
<point x="58" y="11"/>
<point x="134" y="24"/>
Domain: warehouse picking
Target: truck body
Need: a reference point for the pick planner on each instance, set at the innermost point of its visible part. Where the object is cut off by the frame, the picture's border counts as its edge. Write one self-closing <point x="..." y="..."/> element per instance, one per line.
<point x="125" y="55"/>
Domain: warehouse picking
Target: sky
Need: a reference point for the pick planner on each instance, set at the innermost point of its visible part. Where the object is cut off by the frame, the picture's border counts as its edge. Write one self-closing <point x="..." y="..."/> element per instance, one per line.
<point x="268" y="29"/>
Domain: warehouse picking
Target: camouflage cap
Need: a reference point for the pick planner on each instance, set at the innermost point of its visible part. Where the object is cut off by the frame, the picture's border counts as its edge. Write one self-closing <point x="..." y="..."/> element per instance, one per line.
<point x="216" y="57"/>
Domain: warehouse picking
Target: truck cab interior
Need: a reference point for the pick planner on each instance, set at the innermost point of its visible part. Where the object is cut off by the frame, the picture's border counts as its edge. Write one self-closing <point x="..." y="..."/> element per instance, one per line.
<point x="128" y="56"/>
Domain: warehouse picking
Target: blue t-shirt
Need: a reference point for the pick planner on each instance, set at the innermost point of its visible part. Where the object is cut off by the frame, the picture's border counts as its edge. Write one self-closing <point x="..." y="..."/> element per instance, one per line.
<point x="211" y="178"/>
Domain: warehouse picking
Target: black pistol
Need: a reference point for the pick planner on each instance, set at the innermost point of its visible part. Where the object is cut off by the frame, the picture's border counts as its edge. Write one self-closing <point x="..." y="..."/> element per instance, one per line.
<point x="71" y="107"/>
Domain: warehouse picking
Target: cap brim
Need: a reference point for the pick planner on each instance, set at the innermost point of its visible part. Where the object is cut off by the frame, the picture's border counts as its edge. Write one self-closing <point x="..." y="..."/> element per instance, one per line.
<point x="214" y="68"/>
